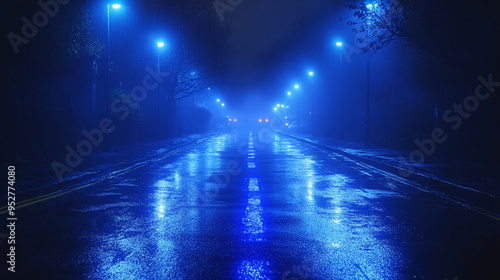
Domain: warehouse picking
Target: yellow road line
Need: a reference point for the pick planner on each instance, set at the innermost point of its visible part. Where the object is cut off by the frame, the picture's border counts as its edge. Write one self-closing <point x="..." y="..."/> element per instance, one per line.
<point x="486" y="213"/>
<point x="113" y="174"/>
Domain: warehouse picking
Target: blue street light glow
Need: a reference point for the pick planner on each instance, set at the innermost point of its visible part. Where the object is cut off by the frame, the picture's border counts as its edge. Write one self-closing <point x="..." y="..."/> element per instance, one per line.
<point x="311" y="73"/>
<point x="339" y="44"/>
<point x="289" y="93"/>
<point x="275" y="108"/>
<point x="218" y="100"/>
<point x="296" y="86"/>
<point x="116" y="6"/>
<point x="223" y="104"/>
<point x="161" y="44"/>
<point x="282" y="105"/>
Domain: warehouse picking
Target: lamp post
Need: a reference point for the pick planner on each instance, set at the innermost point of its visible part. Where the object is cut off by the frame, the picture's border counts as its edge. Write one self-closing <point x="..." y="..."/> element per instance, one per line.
<point x="116" y="7"/>
<point x="370" y="8"/>
<point x="299" y="109"/>
<point x="160" y="45"/>
<point x="339" y="44"/>
<point x="312" y="113"/>
<point x="108" y="83"/>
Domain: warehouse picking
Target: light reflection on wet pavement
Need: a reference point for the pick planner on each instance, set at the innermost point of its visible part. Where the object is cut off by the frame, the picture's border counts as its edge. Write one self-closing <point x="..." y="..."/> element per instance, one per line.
<point x="250" y="206"/>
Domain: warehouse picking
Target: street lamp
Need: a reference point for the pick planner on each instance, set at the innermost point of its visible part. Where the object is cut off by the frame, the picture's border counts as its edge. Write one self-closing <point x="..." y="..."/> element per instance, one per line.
<point x="108" y="86"/>
<point x="223" y="104"/>
<point x="116" y="7"/>
<point x="312" y="94"/>
<point x="368" y="120"/>
<point x="218" y="100"/>
<point x="296" y="86"/>
<point x="289" y="93"/>
<point x="160" y="45"/>
<point x="342" y="118"/>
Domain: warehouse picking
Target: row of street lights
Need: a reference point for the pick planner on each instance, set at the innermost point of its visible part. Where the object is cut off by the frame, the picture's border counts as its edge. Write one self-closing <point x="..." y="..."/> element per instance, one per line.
<point x="297" y="87"/>
<point x="371" y="7"/>
<point x="116" y="6"/>
<point x="160" y="45"/>
<point x="221" y="103"/>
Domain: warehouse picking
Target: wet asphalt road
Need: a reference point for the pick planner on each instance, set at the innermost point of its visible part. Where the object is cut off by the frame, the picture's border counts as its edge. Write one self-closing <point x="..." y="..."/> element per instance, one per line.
<point x="254" y="206"/>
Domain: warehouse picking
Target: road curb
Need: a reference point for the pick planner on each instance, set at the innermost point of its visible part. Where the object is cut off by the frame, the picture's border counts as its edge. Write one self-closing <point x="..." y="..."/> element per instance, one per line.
<point x="466" y="194"/>
<point x="61" y="187"/>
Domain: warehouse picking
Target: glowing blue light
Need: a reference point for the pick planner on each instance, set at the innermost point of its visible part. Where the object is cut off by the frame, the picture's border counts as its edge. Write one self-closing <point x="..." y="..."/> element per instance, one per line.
<point x="253" y="221"/>
<point x="218" y="100"/>
<point x="296" y="86"/>
<point x="339" y="44"/>
<point x="116" y="6"/>
<point x="289" y="93"/>
<point x="254" y="269"/>
<point x="223" y="104"/>
<point x="253" y="185"/>
<point x="161" y="44"/>
<point x="311" y="73"/>
<point x="275" y="108"/>
<point x="369" y="6"/>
